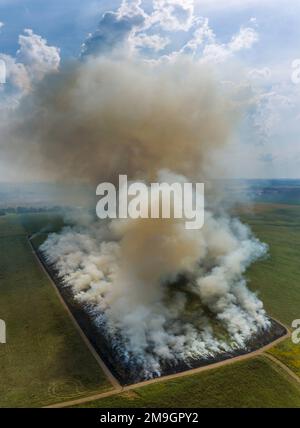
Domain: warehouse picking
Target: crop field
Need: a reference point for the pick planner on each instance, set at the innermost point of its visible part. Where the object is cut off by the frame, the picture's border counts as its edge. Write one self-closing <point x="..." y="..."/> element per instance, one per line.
<point x="257" y="382"/>
<point x="277" y="277"/>
<point x="254" y="383"/>
<point x="46" y="362"/>
<point x="45" y="359"/>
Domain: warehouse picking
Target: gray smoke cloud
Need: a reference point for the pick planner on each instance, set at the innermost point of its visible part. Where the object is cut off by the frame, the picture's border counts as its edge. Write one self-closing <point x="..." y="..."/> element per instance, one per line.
<point x="104" y="117"/>
<point x="161" y="292"/>
<point x="127" y="276"/>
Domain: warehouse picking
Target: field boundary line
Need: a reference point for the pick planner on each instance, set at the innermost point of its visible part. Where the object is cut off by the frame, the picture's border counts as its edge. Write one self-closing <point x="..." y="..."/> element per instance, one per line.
<point x="283" y="366"/>
<point x="114" y="382"/>
<point x="190" y="372"/>
<point x="117" y="387"/>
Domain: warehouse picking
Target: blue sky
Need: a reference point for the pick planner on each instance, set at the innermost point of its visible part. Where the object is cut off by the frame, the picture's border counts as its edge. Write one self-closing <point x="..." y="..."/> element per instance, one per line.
<point x="259" y="38"/>
<point x="66" y="24"/>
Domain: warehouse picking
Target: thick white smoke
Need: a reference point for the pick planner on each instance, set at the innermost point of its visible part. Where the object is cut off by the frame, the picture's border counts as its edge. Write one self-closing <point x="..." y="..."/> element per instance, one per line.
<point x="161" y="292"/>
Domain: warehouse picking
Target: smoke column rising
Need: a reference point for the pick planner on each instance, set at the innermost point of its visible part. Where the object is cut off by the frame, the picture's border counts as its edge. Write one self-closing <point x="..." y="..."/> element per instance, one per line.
<point x="160" y="292"/>
<point x="103" y="117"/>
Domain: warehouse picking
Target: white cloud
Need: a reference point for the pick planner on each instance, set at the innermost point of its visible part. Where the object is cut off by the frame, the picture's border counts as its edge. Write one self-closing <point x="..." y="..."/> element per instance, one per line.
<point x="115" y="30"/>
<point x="245" y="39"/>
<point x="33" y="60"/>
<point x="202" y="34"/>
<point x="130" y="26"/>
<point x="220" y="52"/>
<point x="16" y="73"/>
<point x="237" y="4"/>
<point x="259" y="73"/>
<point x="38" y="58"/>
<point x="131" y="8"/>
<point x="270" y="111"/>
<point x="155" y="42"/>
<point x="173" y="15"/>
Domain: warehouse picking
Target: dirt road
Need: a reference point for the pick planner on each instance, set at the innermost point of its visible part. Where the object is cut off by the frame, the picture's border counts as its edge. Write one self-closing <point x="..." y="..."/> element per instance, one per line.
<point x="116" y="385"/>
<point x="178" y="375"/>
<point x="283" y="366"/>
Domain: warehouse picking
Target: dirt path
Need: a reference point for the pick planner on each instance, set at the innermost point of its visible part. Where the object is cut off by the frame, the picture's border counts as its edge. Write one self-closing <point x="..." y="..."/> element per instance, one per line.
<point x="104" y="368"/>
<point x="283" y="366"/>
<point x="118" y="388"/>
<point x="173" y="376"/>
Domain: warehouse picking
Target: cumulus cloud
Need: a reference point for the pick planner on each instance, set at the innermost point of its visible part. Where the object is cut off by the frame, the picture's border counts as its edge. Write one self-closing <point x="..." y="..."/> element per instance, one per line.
<point x="114" y="31"/>
<point x="34" y="59"/>
<point x="36" y="55"/>
<point x="220" y="52"/>
<point x="202" y="34"/>
<point x="173" y="15"/>
<point x="243" y="40"/>
<point x="16" y="73"/>
<point x="154" y="42"/>
<point x="130" y="28"/>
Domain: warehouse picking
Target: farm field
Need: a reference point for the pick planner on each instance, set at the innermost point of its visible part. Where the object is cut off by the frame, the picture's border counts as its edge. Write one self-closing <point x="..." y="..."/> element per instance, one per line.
<point x="45" y="359"/>
<point x="51" y="364"/>
<point x="253" y="383"/>
<point x="277" y="278"/>
<point x="258" y="381"/>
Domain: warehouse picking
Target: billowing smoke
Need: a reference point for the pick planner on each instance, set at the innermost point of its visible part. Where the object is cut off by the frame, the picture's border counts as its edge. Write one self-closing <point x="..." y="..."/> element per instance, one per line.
<point x="162" y="294"/>
<point x="159" y="292"/>
<point x="103" y="117"/>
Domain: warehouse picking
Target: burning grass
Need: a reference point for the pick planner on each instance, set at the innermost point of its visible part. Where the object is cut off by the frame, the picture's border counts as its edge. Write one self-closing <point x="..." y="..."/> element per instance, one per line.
<point x="128" y="372"/>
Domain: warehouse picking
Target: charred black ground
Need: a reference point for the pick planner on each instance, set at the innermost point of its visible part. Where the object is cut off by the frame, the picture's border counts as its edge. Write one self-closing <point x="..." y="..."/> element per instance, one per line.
<point x="130" y="371"/>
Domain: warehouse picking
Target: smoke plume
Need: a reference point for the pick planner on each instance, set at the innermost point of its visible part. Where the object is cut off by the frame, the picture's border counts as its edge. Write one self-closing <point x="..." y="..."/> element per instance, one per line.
<point x="159" y="292"/>
<point x="103" y="117"/>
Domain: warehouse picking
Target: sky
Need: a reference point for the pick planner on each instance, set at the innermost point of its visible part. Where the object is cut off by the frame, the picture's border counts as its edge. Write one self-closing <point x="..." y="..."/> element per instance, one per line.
<point x="256" y="41"/>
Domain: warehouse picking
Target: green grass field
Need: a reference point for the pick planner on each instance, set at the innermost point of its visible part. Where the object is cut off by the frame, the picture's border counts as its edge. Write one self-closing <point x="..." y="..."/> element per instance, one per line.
<point x="277" y="278"/>
<point x="257" y="382"/>
<point x="253" y="383"/>
<point x="289" y="354"/>
<point x="44" y="360"/>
